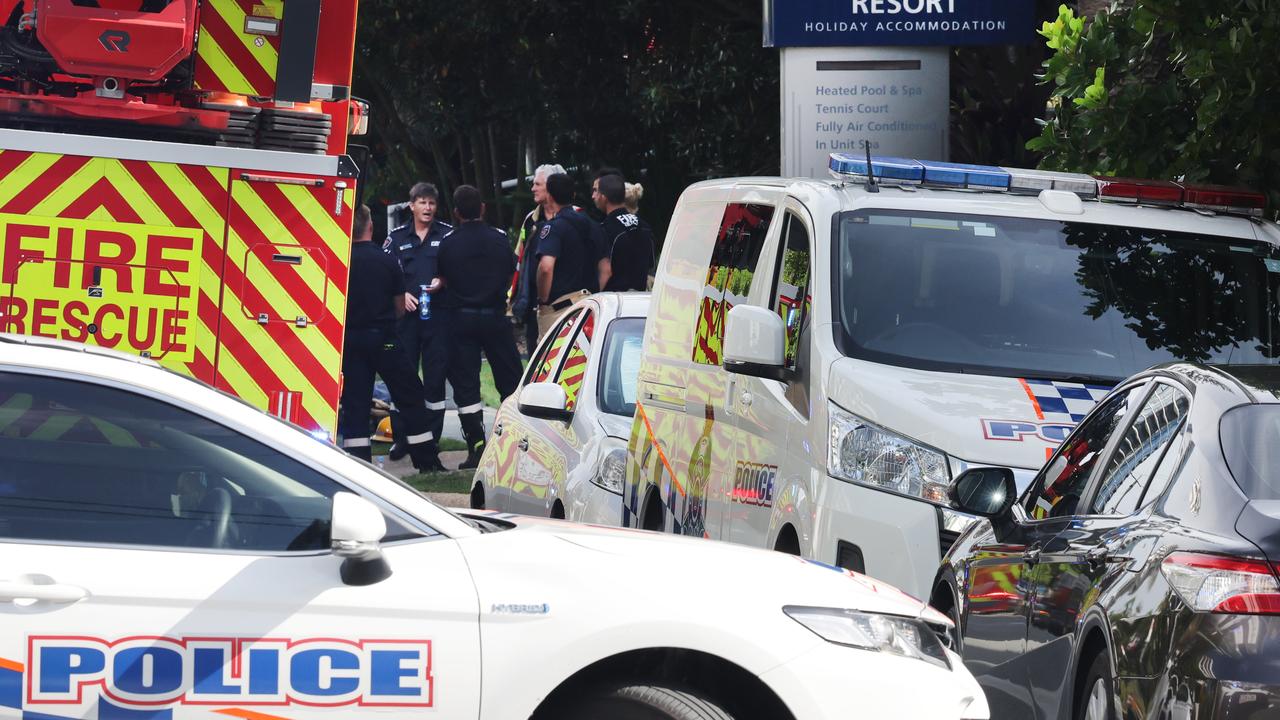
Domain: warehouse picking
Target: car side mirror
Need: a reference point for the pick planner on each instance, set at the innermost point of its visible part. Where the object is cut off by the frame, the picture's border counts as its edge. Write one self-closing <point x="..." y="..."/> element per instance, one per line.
<point x="985" y="491"/>
<point x="545" y="400"/>
<point x="356" y="526"/>
<point x="755" y="341"/>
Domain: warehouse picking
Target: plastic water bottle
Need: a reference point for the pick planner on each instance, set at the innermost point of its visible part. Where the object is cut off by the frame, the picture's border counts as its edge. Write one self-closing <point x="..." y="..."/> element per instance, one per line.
<point x="424" y="303"/>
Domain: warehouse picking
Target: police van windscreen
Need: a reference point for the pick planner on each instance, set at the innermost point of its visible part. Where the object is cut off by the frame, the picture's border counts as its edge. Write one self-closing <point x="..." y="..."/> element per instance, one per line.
<point x="1050" y="299"/>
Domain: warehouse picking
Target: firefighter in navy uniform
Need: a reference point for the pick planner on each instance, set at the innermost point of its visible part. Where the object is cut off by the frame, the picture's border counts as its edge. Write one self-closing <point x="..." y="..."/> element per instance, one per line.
<point x="476" y="265"/>
<point x="375" y="299"/>
<point x="416" y="245"/>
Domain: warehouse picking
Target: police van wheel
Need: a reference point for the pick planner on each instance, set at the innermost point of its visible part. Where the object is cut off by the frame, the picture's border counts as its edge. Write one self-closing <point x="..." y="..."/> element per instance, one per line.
<point x="647" y="702"/>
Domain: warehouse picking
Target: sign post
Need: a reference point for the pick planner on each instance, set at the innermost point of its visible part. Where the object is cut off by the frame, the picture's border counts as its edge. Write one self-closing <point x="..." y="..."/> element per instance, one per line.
<point x="858" y="73"/>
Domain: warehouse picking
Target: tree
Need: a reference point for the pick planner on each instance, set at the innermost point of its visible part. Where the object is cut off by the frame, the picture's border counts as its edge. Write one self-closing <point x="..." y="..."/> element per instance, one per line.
<point x="1159" y="89"/>
<point x="484" y="91"/>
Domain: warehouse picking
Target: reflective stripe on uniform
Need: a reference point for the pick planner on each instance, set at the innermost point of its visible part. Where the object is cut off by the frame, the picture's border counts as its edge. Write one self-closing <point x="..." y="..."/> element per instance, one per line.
<point x="471" y="409"/>
<point x="435" y="405"/>
<point x="424" y="437"/>
<point x="356" y="442"/>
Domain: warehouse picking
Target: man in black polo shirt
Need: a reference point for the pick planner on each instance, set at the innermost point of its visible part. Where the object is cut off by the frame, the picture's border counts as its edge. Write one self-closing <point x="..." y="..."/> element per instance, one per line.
<point x="629" y="253"/>
<point x="476" y="265"/>
<point x="375" y="299"/>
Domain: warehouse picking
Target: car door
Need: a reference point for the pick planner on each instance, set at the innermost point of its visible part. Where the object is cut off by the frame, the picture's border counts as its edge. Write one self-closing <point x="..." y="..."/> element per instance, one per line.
<point x="160" y="564"/>
<point x="538" y="450"/>
<point x="767" y="414"/>
<point x="1107" y="540"/>
<point x="1001" y="568"/>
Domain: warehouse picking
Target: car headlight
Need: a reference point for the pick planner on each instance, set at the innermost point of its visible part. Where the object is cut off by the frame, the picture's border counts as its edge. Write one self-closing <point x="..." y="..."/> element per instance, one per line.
<point x="891" y="634"/>
<point x="611" y="472"/>
<point x="863" y="453"/>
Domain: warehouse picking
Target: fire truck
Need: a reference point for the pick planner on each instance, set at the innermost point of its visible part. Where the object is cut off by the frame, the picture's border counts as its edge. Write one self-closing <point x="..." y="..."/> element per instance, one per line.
<point x="175" y="183"/>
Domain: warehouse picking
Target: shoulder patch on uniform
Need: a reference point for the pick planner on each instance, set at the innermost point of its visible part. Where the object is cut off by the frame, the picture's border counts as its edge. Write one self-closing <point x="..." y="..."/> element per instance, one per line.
<point x="546" y="230"/>
<point x="386" y="244"/>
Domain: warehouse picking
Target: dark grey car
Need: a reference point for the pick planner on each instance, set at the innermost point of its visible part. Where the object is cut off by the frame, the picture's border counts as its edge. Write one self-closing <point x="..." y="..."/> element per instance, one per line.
<point x="1137" y="575"/>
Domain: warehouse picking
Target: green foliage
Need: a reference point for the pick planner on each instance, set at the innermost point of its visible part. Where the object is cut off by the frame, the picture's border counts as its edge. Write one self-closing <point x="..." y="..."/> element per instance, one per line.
<point x="484" y="91"/>
<point x="1160" y="89"/>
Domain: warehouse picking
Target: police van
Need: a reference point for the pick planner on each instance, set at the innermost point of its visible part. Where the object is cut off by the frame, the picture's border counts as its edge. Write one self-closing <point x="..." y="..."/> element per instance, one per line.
<point x="823" y="356"/>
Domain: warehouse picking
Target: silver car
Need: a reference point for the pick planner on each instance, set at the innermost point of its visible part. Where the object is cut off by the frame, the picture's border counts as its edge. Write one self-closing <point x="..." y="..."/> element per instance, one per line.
<point x="559" y="444"/>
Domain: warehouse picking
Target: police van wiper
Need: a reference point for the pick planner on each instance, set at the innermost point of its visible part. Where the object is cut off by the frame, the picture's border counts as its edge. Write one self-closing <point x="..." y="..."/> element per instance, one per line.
<point x="1106" y="380"/>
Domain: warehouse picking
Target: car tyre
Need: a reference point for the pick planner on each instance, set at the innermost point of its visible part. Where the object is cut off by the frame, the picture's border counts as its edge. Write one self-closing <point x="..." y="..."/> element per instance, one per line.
<point x="646" y="702"/>
<point x="1094" y="697"/>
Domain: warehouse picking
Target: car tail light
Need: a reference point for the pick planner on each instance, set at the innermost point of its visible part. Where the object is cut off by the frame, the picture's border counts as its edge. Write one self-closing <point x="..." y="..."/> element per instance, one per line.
<point x="1236" y="201"/>
<point x="1219" y="584"/>
<point x="1142" y="192"/>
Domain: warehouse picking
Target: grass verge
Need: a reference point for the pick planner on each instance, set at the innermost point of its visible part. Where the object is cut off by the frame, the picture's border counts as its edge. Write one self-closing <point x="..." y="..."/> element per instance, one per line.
<point x="454" y="481"/>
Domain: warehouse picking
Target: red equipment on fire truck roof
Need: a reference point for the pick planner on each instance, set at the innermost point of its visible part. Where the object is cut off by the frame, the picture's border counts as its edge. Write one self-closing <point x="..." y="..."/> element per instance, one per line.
<point x="174" y="182"/>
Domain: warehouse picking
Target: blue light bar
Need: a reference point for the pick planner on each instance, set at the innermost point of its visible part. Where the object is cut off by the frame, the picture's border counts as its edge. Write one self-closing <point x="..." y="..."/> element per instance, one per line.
<point x="956" y="175"/>
<point x="892" y="170"/>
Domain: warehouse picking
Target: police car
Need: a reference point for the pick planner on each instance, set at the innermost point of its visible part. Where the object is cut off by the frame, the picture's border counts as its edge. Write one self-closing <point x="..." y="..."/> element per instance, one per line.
<point x="171" y="552"/>
<point x="822" y="357"/>
<point x="559" y="444"/>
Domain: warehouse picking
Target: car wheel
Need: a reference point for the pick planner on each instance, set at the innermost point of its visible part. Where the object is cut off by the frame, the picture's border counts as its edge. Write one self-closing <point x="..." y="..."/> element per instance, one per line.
<point x="1094" y="699"/>
<point x="646" y="702"/>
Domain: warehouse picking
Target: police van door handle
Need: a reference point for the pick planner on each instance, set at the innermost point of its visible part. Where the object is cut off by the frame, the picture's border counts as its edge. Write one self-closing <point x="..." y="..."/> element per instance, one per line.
<point x="497" y="429"/>
<point x="524" y="444"/>
<point x="746" y="399"/>
<point x="54" y="593"/>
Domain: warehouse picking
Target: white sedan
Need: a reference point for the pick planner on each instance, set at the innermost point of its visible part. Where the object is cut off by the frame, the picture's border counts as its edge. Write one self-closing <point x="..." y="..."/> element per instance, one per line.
<point x="559" y="444"/>
<point x="169" y="552"/>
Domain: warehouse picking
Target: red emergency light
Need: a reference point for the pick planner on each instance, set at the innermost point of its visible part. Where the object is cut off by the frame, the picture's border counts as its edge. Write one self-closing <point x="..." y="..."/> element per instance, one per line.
<point x="1237" y="201"/>
<point x="1141" y="192"/>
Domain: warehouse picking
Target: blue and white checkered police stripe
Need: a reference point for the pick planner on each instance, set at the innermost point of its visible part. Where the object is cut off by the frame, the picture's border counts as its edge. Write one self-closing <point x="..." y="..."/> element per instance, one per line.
<point x="1065" y="401"/>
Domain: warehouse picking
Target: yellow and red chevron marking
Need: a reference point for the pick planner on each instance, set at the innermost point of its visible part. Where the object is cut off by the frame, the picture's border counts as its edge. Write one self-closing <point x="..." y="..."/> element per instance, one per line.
<point x="575" y="362"/>
<point x="235" y="228"/>
<point x="59" y="192"/>
<point x="544" y="371"/>
<point x="267" y="219"/>
<point x="232" y="60"/>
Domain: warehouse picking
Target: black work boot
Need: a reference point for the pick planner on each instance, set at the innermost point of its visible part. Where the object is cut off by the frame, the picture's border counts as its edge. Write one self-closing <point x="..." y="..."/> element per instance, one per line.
<point x="474" y="451"/>
<point x="426" y="457"/>
<point x="473" y="430"/>
<point x="398" y="450"/>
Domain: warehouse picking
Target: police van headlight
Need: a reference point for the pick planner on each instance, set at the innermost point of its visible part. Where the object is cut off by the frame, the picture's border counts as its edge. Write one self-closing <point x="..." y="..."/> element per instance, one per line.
<point x="889" y="634"/>
<point x="611" y="473"/>
<point x="869" y="455"/>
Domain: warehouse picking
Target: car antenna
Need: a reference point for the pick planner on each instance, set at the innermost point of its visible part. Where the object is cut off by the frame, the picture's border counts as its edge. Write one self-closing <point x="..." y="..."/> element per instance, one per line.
<point x="872" y="187"/>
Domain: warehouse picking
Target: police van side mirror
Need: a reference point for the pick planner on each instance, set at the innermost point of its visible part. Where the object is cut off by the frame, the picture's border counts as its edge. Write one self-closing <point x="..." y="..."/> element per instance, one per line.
<point x="755" y="340"/>
<point x="545" y="400"/>
<point x="356" y="526"/>
<point x="985" y="491"/>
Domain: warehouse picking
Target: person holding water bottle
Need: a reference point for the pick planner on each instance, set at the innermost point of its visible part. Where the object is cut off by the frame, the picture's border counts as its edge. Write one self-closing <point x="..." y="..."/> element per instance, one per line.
<point x="375" y="299"/>
<point x="416" y="246"/>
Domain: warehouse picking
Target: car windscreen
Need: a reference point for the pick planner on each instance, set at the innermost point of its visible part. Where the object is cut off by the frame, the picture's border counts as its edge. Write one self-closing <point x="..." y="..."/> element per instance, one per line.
<point x="1044" y="298"/>
<point x="1251" y="444"/>
<point x="621" y="367"/>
